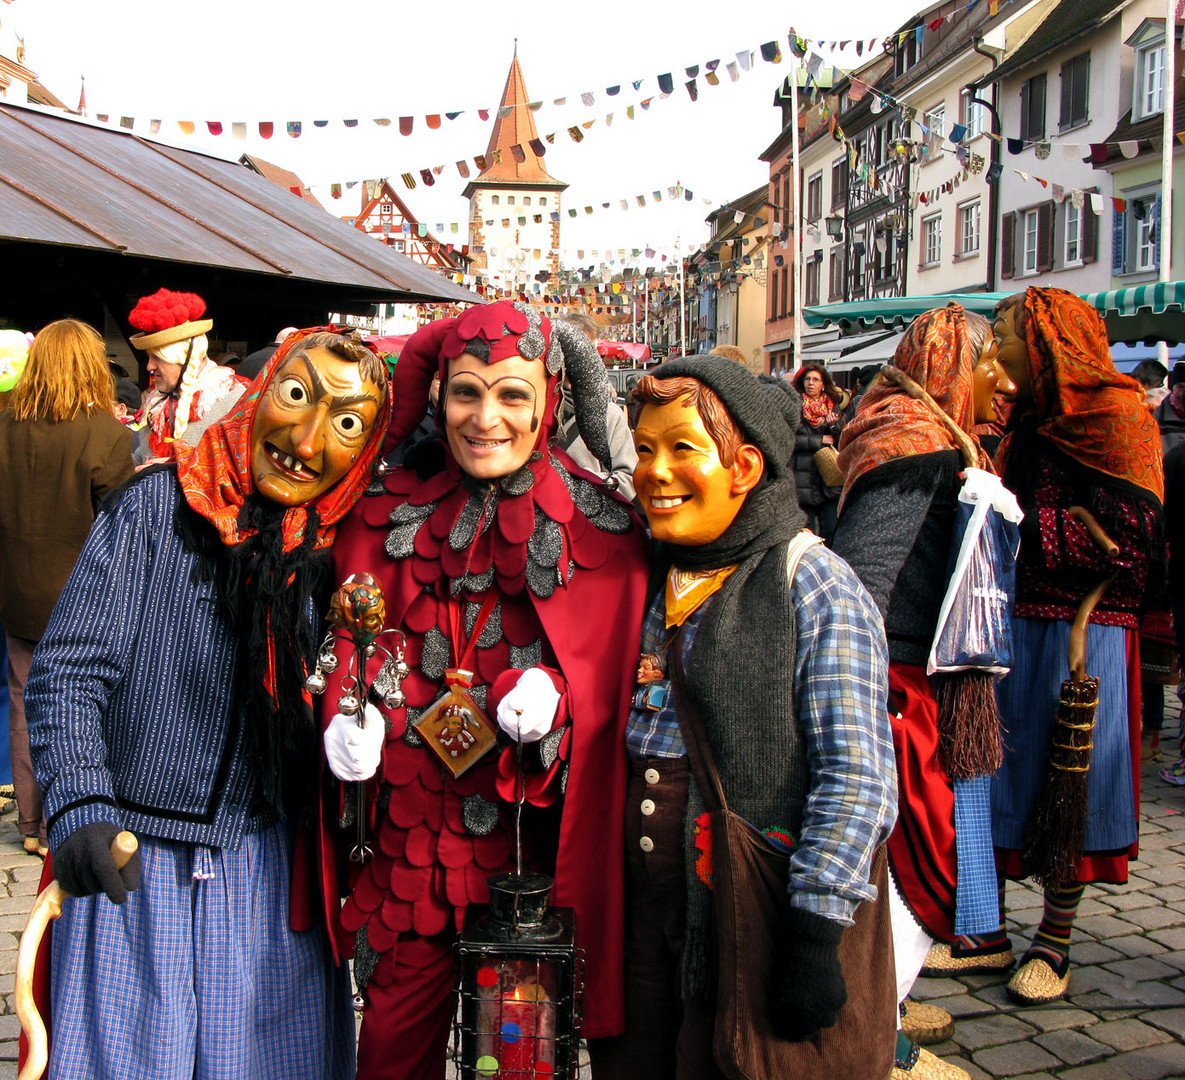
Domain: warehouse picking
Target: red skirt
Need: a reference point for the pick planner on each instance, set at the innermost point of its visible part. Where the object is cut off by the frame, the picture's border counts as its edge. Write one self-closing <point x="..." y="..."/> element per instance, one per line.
<point x="922" y="845"/>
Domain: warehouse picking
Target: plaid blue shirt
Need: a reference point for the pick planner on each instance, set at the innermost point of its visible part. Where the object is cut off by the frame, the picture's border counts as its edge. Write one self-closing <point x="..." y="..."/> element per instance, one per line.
<point x="841" y="699"/>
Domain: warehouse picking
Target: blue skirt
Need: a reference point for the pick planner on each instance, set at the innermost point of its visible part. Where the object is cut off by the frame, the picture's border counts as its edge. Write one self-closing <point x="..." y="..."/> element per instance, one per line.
<point x="1028" y="699"/>
<point x="198" y="975"/>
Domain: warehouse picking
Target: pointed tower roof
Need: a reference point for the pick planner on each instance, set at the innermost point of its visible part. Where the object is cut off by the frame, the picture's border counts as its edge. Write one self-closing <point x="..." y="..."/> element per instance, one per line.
<point x="517" y="128"/>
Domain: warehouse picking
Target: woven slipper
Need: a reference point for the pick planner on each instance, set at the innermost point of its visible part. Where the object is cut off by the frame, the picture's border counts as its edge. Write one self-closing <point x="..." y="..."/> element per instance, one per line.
<point x="929" y="1066"/>
<point x="33" y="846"/>
<point x="925" y="1024"/>
<point x="940" y="960"/>
<point x="1035" y="983"/>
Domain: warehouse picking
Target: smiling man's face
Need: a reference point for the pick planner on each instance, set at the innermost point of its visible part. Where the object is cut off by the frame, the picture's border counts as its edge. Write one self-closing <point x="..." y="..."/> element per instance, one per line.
<point x="313" y="421"/>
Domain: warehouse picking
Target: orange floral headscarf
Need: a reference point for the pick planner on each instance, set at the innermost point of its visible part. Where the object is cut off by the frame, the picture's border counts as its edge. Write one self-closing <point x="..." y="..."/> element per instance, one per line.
<point x="216" y="474"/>
<point x="1083" y="405"/>
<point x="937" y="354"/>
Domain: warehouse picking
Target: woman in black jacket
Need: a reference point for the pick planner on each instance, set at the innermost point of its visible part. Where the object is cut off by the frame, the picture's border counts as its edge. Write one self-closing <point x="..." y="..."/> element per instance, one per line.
<point x="821" y="425"/>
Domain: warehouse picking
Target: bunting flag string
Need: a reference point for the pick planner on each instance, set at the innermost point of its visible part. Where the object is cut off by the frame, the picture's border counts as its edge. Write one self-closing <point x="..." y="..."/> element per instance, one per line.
<point x="407" y="125"/>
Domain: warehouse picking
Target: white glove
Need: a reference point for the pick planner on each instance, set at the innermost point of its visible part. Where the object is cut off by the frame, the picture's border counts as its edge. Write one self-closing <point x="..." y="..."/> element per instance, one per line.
<point x="354" y="752"/>
<point x="528" y="711"/>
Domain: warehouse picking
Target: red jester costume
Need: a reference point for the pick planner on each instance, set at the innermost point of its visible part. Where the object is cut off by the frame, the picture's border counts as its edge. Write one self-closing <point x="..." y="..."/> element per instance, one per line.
<point x="508" y="559"/>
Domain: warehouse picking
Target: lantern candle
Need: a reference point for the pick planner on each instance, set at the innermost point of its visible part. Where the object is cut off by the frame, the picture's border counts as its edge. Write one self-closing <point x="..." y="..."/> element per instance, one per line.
<point x="526" y="1034"/>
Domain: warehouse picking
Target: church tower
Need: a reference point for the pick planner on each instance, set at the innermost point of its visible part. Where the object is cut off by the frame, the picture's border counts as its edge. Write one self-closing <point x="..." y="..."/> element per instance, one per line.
<point x="514" y="204"/>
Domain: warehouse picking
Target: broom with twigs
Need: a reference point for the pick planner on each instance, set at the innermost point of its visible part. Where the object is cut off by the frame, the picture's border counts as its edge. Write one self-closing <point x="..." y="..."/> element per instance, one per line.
<point x="1053" y="838"/>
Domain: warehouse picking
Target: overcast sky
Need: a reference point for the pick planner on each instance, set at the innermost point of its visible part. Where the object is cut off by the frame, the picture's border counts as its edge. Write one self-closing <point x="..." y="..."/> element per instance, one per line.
<point x="262" y="60"/>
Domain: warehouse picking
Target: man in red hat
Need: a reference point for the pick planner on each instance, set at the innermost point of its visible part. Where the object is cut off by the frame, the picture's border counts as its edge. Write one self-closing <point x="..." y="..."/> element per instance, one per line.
<point x="186" y="383"/>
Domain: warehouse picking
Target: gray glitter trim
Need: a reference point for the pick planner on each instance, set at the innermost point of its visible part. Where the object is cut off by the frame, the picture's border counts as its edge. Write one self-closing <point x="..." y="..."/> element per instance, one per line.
<point x="525" y="656"/>
<point x="476" y="583"/>
<point x="614" y="518"/>
<point x="589" y="501"/>
<point x="407" y="519"/>
<point x="478" y="693"/>
<point x="532" y="343"/>
<point x="479" y="816"/>
<point x="549" y="746"/>
<point x="412" y="737"/>
<point x="376" y="486"/>
<point x="436" y="654"/>
<point x="518" y="482"/>
<point x="555" y="356"/>
<point x="365" y="957"/>
<point x="564" y="780"/>
<point x="546" y="543"/>
<point x="491" y="633"/>
<point x="464" y="530"/>
<point x="541" y="580"/>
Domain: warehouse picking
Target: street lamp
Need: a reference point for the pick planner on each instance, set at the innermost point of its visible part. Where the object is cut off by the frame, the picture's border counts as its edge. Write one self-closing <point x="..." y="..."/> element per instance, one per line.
<point x="834" y="226"/>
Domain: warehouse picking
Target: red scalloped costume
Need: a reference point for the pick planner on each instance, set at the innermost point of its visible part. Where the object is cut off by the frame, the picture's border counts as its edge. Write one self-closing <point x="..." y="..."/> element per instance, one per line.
<point x="576" y="612"/>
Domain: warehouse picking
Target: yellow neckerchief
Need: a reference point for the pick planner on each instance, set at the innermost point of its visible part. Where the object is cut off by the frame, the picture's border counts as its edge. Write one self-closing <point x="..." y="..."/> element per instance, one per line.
<point x="687" y="589"/>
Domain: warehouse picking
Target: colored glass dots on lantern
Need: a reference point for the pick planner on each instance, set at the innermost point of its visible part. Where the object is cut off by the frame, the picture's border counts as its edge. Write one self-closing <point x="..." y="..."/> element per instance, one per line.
<point x="520" y="978"/>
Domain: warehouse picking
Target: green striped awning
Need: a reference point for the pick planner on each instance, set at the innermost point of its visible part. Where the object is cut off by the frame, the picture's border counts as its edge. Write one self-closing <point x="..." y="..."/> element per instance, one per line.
<point x="1147" y="313"/>
<point x="890" y="311"/>
<point x="1142" y="313"/>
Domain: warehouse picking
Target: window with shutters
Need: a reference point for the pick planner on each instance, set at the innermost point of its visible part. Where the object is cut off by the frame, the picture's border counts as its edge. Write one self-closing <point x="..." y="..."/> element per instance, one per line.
<point x="835" y="275"/>
<point x="1032" y="109"/>
<point x="810" y="282"/>
<point x="1147" y="222"/>
<point x="1072" y="242"/>
<point x="1008" y="245"/>
<point x="814" y="197"/>
<point x="1075" y="90"/>
<point x="1028" y="242"/>
<point x="839" y="183"/>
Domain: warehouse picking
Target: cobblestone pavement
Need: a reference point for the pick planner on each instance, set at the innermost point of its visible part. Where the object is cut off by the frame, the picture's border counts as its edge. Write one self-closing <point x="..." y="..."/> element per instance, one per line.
<point x="1124" y="1017"/>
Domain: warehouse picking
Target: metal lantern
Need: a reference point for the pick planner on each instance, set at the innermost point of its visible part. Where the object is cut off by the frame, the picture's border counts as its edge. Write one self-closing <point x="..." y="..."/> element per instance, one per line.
<point x="520" y="978"/>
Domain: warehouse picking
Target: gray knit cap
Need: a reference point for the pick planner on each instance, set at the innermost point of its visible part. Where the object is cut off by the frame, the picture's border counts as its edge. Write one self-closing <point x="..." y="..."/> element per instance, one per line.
<point x="767" y="412"/>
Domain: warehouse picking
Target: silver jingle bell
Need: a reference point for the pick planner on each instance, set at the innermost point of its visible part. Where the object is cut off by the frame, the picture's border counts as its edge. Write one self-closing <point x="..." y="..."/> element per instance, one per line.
<point x="327" y="662"/>
<point x="394" y="699"/>
<point x="369" y="650"/>
<point x="401" y="668"/>
<point x="315" y="683"/>
<point x="348" y="705"/>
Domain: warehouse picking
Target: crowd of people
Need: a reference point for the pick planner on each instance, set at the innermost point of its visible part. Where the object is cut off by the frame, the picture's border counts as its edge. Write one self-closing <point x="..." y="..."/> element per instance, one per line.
<point x="611" y="620"/>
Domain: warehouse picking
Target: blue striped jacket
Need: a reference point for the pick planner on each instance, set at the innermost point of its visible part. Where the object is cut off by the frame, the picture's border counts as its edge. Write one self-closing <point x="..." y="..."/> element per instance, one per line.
<point x="130" y="696"/>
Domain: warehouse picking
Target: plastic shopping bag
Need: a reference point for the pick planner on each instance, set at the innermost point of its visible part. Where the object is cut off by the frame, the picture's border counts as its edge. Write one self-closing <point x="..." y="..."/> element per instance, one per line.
<point x="974" y="622"/>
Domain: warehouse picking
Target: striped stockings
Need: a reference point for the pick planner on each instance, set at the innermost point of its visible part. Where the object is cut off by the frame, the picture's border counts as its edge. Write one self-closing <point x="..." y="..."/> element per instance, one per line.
<point x="1052" y="940"/>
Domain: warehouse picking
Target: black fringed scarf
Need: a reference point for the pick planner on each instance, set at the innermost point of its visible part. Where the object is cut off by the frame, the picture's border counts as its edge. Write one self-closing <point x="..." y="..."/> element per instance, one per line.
<point x="264" y="595"/>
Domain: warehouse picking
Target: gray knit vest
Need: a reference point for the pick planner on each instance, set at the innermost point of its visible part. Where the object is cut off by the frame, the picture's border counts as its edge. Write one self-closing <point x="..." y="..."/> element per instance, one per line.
<point x="740" y="672"/>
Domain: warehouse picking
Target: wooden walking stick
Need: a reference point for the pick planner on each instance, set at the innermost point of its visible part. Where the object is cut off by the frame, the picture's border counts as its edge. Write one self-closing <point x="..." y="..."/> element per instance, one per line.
<point x="1053" y="837"/>
<point x="46" y="907"/>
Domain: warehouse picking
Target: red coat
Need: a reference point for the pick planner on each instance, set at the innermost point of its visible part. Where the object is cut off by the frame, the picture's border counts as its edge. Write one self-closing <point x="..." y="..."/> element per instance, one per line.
<point x="428" y="865"/>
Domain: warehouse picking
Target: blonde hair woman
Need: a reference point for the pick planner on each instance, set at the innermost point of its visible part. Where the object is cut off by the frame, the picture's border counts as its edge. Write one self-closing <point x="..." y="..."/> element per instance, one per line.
<point x="61" y="450"/>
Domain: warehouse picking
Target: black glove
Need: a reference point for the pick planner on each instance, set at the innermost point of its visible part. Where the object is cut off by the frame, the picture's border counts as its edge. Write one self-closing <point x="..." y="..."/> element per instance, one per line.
<point x="809" y="988"/>
<point x="83" y="864"/>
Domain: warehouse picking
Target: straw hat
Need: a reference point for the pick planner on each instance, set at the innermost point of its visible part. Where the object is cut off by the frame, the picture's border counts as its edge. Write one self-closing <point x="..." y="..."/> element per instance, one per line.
<point x="166" y="317"/>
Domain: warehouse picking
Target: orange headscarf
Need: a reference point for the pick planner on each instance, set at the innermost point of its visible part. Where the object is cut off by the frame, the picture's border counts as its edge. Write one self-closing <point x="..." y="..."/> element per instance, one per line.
<point x="1083" y="405"/>
<point x="937" y="354"/>
<point x="216" y="474"/>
